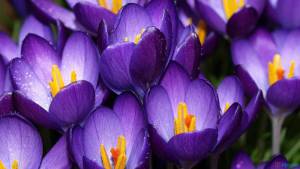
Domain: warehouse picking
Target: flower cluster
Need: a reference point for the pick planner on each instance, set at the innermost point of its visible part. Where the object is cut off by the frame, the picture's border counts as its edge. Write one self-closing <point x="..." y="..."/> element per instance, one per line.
<point x="120" y="82"/>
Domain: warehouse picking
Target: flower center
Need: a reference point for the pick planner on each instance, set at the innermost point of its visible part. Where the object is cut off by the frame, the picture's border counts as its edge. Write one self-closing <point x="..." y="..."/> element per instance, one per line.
<point x="137" y="37"/>
<point x="116" y="5"/>
<point x="14" y="165"/>
<point x="184" y="122"/>
<point x="57" y="82"/>
<point x="201" y="31"/>
<point x="276" y="71"/>
<point x="232" y="6"/>
<point x="118" y="155"/>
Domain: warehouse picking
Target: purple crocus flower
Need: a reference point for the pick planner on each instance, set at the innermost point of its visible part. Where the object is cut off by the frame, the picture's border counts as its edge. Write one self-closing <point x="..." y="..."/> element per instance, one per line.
<point x="113" y="138"/>
<point x="243" y="161"/>
<point x="284" y="12"/>
<point x="135" y="52"/>
<point x="235" y="116"/>
<point x="268" y="62"/>
<point x="207" y="37"/>
<point x="183" y="116"/>
<point x="90" y="12"/>
<point x="52" y="90"/>
<point x="230" y="17"/>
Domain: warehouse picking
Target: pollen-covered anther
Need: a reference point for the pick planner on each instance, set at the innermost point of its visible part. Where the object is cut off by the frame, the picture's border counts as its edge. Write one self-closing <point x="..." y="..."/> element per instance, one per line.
<point x="14" y="165"/>
<point x="227" y="105"/>
<point x="138" y="36"/>
<point x="118" y="155"/>
<point x="201" y="31"/>
<point x="232" y="6"/>
<point x="115" y="6"/>
<point x="57" y="82"/>
<point x="184" y="122"/>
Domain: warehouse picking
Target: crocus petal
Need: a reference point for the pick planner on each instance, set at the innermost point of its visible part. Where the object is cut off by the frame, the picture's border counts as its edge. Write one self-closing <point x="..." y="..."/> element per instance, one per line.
<point x="102" y="127"/>
<point x="62" y="35"/>
<point x="213" y="13"/>
<point x="248" y="83"/>
<point x="159" y="112"/>
<point x="166" y="29"/>
<point x="278" y="162"/>
<point x="89" y="164"/>
<point x="193" y="146"/>
<point x="21" y="6"/>
<point x="3" y="69"/>
<point x="73" y="103"/>
<point x="131" y="115"/>
<point x="8" y="49"/>
<point x="25" y="80"/>
<point x="230" y="91"/>
<point x="90" y="15"/>
<point x="40" y="56"/>
<point x="238" y="26"/>
<point x="242" y="161"/>
<point x="6" y="103"/>
<point x="20" y="141"/>
<point x="35" y="112"/>
<point x="175" y="81"/>
<point x="72" y="3"/>
<point x="140" y="153"/>
<point x="102" y="36"/>
<point x="132" y="19"/>
<point x="58" y="156"/>
<point x="80" y="55"/>
<point x="49" y="11"/>
<point x="228" y="127"/>
<point x="284" y="94"/>
<point x="149" y="57"/>
<point x="114" y="66"/>
<point x="32" y="26"/>
<point x="75" y="141"/>
<point x="257" y="4"/>
<point x="188" y="53"/>
<point x="202" y="101"/>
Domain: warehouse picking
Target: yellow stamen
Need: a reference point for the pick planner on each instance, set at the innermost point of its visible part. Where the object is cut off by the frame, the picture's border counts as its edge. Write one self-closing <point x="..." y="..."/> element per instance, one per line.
<point x="102" y="3"/>
<point x="104" y="158"/>
<point x="184" y="122"/>
<point x="15" y="165"/>
<point x="2" y="166"/>
<point x="126" y="39"/>
<point x="73" y="76"/>
<point x="227" y="105"/>
<point x="201" y="31"/>
<point x="292" y="69"/>
<point x="138" y="36"/>
<point x="275" y="70"/>
<point x="232" y="6"/>
<point x="116" y="6"/>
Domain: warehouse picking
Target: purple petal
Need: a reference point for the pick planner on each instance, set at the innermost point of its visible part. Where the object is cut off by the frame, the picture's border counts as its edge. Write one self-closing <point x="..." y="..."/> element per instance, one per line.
<point x="131" y="114"/>
<point x="89" y="164"/>
<point x="140" y="154"/>
<point x="72" y="3"/>
<point x="132" y="19"/>
<point x="35" y="112"/>
<point x="102" y="127"/>
<point x="242" y="161"/>
<point x="103" y="36"/>
<point x="149" y="58"/>
<point x="90" y="15"/>
<point x="3" y="73"/>
<point x="238" y="26"/>
<point x="8" y="49"/>
<point x="166" y="29"/>
<point x="193" y="146"/>
<point x="47" y="10"/>
<point x="159" y="112"/>
<point x="75" y="141"/>
<point x="32" y="26"/>
<point x="58" y="156"/>
<point x="284" y="94"/>
<point x="25" y="80"/>
<point x="175" y="81"/>
<point x="73" y="103"/>
<point x="213" y="13"/>
<point x="202" y="101"/>
<point x="114" y="66"/>
<point x="62" y="35"/>
<point x="278" y="162"/>
<point x="230" y="91"/>
<point x="257" y="4"/>
<point x="228" y="127"/>
<point x="253" y="108"/>
<point x="248" y="83"/>
<point x="80" y="55"/>
<point x="6" y="104"/>
<point x="188" y="53"/>
<point x="40" y="56"/>
<point x="20" y="141"/>
<point x="21" y="6"/>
